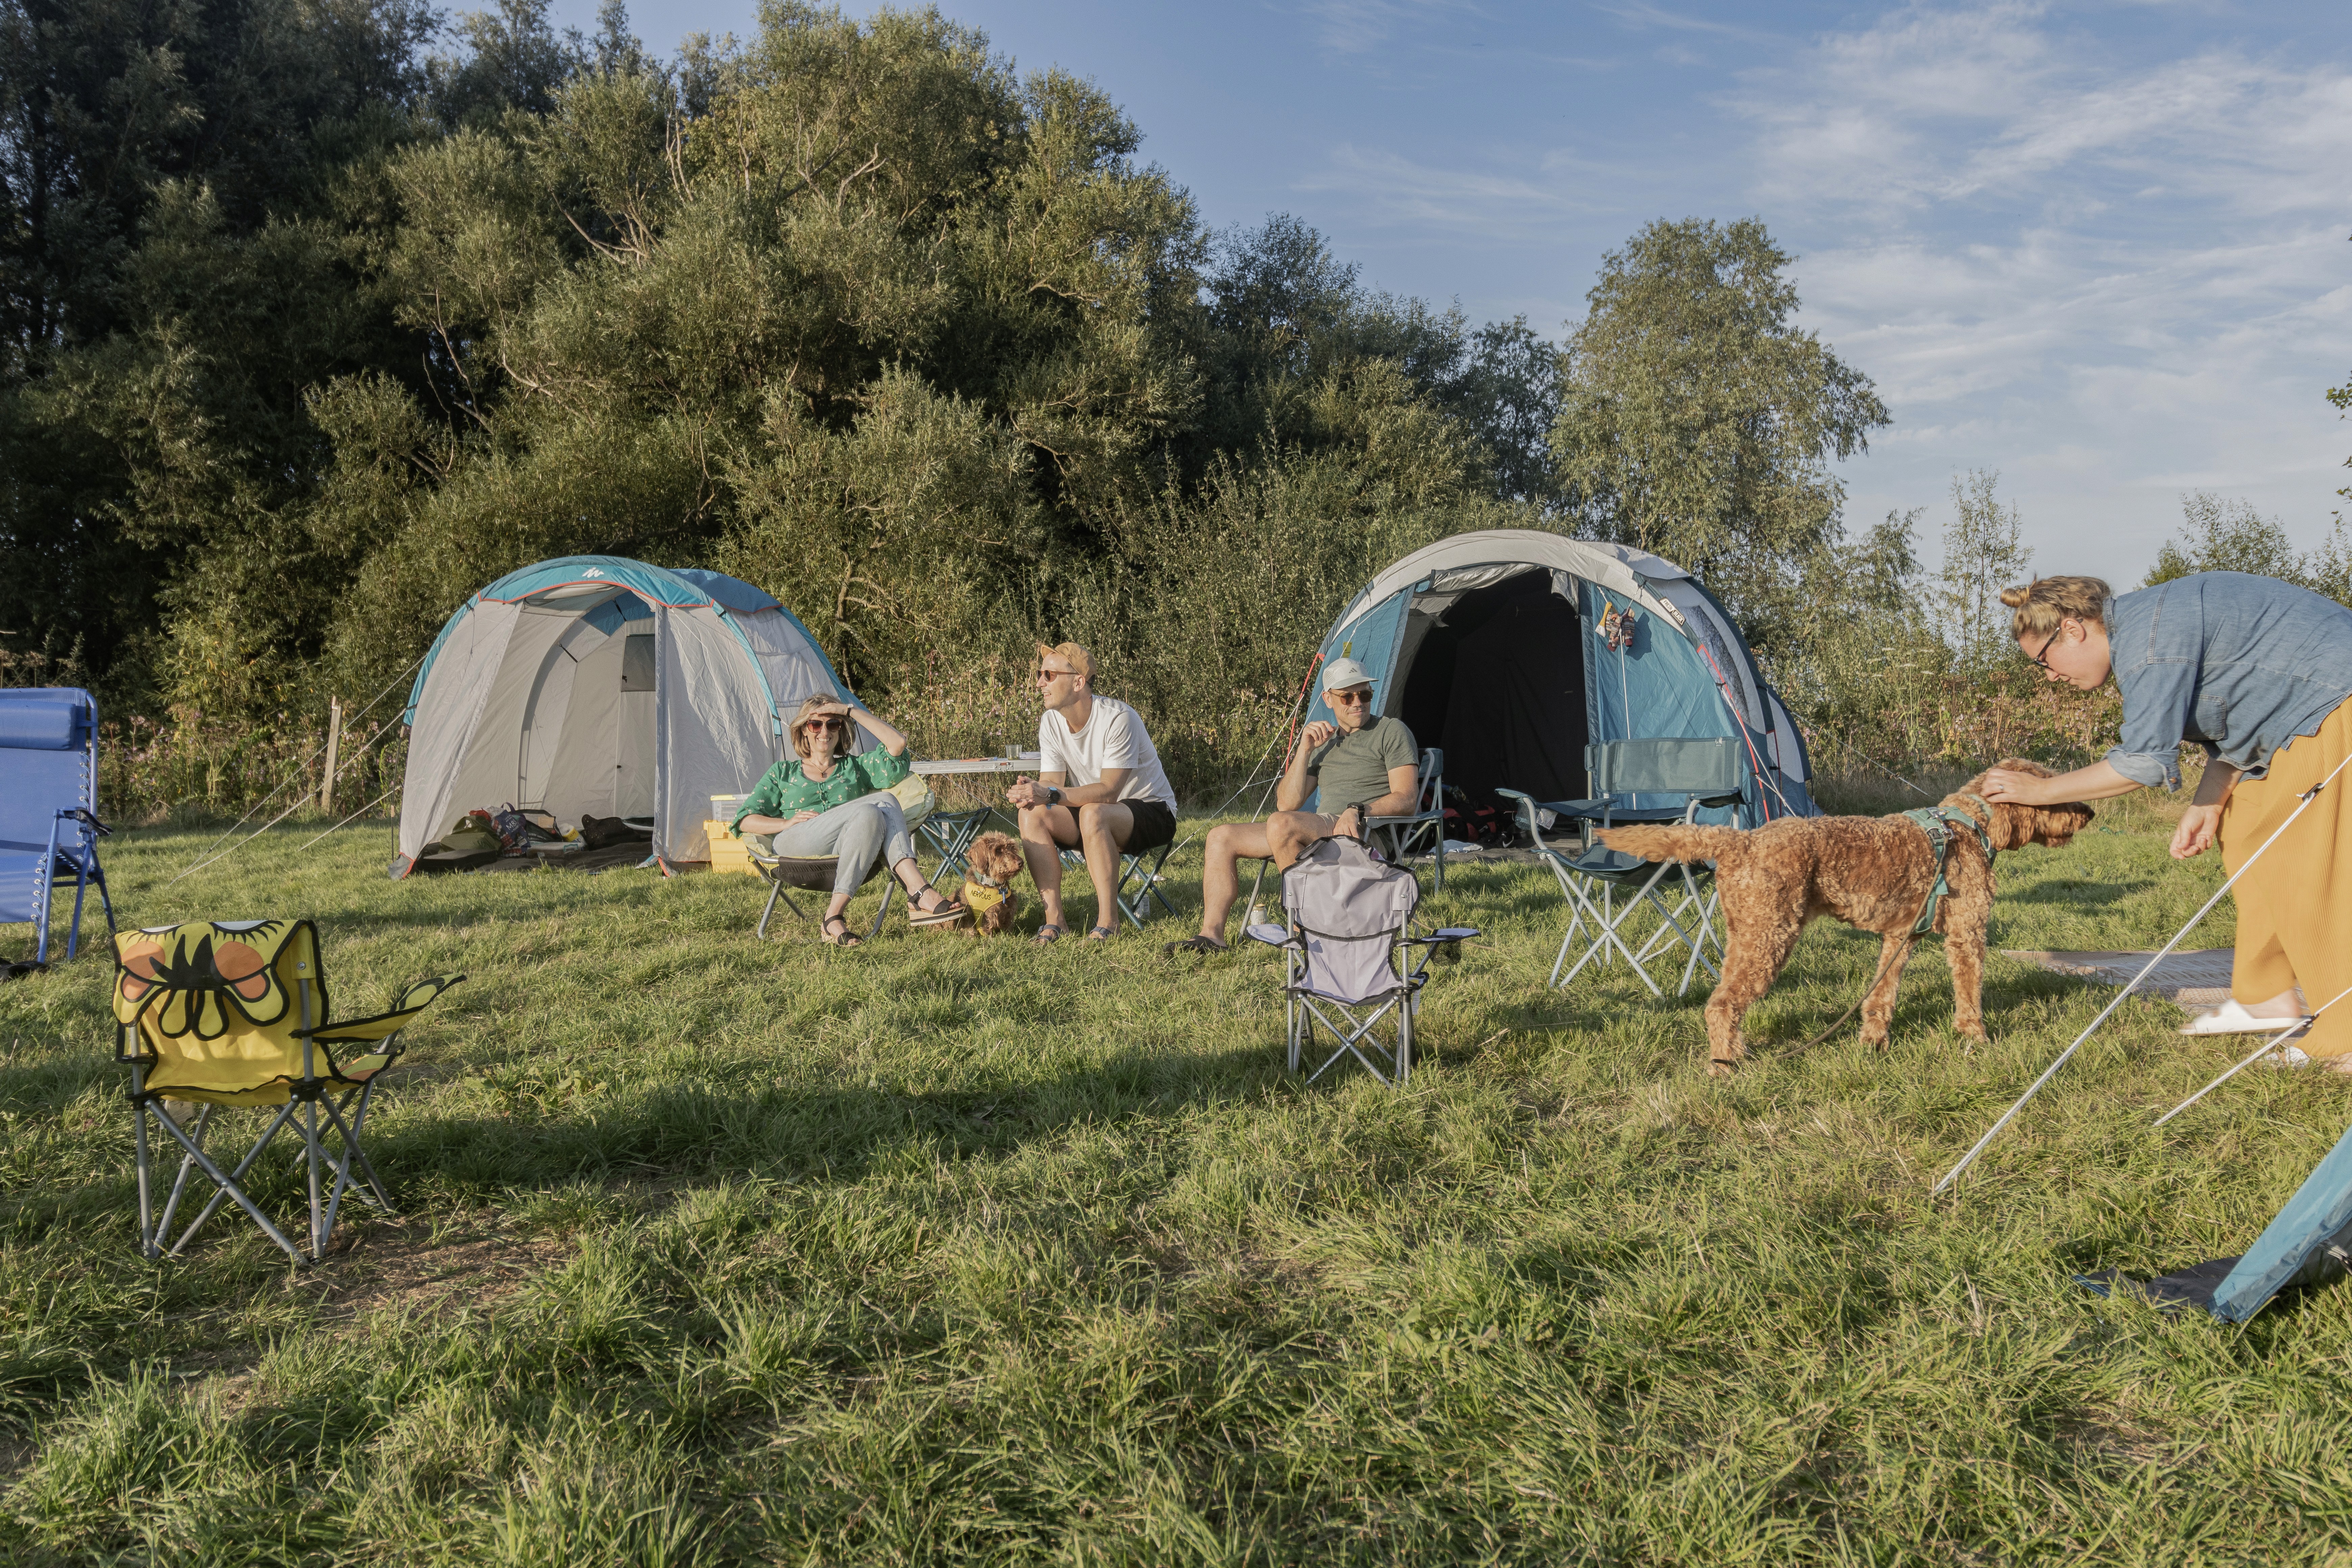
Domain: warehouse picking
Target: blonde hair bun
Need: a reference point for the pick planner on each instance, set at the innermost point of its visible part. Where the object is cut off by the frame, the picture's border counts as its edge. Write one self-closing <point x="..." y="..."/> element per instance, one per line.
<point x="2040" y="605"/>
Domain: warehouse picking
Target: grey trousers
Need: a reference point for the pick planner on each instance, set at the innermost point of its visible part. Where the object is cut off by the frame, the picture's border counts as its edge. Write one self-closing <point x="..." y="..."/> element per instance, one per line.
<point x="868" y="827"/>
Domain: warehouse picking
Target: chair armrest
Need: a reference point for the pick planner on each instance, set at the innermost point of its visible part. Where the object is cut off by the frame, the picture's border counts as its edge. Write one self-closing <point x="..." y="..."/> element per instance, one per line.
<point x="1272" y="935"/>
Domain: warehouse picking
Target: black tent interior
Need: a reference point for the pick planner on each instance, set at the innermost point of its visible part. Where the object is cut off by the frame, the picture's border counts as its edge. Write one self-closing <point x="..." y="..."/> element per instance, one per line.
<point x="1495" y="676"/>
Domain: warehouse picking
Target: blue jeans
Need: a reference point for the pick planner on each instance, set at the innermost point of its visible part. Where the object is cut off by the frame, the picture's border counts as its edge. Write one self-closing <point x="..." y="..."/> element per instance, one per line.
<point x="870" y="828"/>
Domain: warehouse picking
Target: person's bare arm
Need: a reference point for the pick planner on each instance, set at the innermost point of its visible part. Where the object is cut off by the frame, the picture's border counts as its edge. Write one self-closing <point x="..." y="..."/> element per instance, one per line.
<point x="2098" y="782"/>
<point x="2201" y="823"/>
<point x="1105" y="788"/>
<point x="886" y="734"/>
<point x="1297" y="781"/>
<point x="755" y="823"/>
<point x="1404" y="794"/>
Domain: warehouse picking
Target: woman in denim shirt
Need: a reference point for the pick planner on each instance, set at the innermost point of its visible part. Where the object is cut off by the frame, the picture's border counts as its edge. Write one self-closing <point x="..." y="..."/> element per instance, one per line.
<point x="2256" y="671"/>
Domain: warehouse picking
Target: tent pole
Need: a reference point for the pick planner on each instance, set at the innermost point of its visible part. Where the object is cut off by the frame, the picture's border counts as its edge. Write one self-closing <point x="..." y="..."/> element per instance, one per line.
<point x="2293" y="1025"/>
<point x="2052" y="1070"/>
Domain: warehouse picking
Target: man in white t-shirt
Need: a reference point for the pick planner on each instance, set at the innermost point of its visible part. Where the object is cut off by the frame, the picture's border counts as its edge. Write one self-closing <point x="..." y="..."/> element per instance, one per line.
<point x="1099" y="787"/>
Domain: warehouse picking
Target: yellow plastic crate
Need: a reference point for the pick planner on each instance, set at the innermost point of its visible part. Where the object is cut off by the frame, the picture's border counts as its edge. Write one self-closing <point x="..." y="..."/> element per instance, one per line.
<point x="728" y="854"/>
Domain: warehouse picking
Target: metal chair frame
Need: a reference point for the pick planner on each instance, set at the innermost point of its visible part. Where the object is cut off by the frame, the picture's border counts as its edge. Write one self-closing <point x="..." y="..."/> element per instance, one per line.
<point x="1138" y="883"/>
<point x="1592" y="880"/>
<point x="1352" y="1023"/>
<point x="1424" y="826"/>
<point x="781" y="869"/>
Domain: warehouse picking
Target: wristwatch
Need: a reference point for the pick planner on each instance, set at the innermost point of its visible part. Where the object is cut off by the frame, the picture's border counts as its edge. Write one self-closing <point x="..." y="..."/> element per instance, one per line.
<point x="1053" y="796"/>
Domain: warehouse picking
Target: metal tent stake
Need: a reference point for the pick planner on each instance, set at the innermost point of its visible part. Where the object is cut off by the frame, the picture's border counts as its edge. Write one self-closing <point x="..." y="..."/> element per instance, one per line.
<point x="2052" y="1070"/>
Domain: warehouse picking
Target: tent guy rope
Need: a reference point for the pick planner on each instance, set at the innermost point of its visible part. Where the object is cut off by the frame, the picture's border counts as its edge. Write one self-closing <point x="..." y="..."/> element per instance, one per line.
<point x="2052" y="1070"/>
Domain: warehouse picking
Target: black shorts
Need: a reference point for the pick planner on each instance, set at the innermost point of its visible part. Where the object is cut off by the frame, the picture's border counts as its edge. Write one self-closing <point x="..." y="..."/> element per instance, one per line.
<point x="1155" y="824"/>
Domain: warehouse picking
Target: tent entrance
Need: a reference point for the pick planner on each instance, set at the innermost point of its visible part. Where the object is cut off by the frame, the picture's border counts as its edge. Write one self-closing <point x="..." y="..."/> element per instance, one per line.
<point x="1494" y="673"/>
<point x="588" y="731"/>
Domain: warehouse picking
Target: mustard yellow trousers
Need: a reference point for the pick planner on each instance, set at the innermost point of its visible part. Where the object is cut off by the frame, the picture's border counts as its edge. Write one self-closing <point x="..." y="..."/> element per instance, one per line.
<point x="2295" y="908"/>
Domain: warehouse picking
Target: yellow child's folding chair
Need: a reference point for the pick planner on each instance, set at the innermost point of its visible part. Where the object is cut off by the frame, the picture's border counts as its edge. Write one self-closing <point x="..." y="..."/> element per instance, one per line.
<point x="234" y="1013"/>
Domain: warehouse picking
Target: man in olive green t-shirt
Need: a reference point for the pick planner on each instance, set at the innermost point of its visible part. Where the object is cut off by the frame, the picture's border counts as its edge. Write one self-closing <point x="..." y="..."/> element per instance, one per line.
<point x="1358" y="768"/>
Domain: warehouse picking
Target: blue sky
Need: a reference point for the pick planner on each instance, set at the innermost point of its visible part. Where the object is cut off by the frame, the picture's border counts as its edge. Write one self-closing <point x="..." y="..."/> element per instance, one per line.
<point x="2102" y="249"/>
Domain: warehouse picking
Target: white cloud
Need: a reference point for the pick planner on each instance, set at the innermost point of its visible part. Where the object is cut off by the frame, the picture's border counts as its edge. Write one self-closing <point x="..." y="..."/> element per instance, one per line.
<point x="2111" y="281"/>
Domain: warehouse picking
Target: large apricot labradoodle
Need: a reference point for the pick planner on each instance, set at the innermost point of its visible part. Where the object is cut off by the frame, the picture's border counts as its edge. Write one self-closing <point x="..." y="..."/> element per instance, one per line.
<point x="1873" y="872"/>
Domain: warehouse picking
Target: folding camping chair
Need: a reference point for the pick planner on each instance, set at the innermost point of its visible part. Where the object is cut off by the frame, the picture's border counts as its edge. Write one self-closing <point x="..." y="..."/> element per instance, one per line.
<point x="1350" y="922"/>
<point x="1424" y="827"/>
<point x="815" y="873"/>
<point x="234" y="1013"/>
<point x="1660" y="780"/>
<point x="1139" y="876"/>
<point x="48" y="810"/>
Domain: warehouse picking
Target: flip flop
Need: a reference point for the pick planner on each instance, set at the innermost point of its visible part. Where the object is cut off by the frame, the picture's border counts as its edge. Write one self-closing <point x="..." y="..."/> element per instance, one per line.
<point x="1201" y="944"/>
<point x="1049" y="933"/>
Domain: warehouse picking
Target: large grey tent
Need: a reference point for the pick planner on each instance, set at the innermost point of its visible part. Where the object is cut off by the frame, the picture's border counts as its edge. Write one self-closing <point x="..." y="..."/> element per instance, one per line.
<point x="591" y="684"/>
<point x="1513" y="649"/>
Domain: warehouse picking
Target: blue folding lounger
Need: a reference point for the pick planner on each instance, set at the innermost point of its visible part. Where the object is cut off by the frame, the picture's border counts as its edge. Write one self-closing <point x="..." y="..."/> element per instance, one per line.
<point x="48" y="809"/>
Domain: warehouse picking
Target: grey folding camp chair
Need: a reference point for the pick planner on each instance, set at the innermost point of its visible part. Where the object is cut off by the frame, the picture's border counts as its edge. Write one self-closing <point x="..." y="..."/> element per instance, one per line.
<point x="1658" y="780"/>
<point x="1352" y="964"/>
<point x="1422" y="828"/>
<point x="1139" y="879"/>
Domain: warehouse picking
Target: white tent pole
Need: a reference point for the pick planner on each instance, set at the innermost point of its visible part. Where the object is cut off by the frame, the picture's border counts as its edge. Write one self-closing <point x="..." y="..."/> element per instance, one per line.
<point x="2292" y="1026"/>
<point x="2052" y="1070"/>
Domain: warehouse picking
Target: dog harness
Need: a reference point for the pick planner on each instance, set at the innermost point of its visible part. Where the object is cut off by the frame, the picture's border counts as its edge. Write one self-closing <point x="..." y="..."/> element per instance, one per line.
<point x="1940" y="823"/>
<point x="980" y="895"/>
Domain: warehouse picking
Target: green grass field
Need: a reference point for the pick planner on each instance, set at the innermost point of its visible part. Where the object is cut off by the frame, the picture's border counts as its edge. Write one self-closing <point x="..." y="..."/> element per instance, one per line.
<point x="944" y="1250"/>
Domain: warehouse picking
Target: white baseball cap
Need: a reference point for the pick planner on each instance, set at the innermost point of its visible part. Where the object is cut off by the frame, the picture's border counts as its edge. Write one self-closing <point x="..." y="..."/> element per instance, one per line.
<point x="1344" y="674"/>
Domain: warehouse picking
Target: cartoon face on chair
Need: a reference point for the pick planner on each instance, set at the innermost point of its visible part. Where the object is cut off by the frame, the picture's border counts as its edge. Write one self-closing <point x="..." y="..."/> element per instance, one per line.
<point x="995" y="860"/>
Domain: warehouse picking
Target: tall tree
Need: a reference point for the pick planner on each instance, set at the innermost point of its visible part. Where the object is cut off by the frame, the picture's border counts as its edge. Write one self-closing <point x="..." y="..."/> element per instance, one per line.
<point x="1698" y="420"/>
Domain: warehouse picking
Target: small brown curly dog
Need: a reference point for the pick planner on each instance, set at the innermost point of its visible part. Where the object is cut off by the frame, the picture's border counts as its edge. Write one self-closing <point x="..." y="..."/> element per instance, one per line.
<point x="1873" y="872"/>
<point x="993" y="862"/>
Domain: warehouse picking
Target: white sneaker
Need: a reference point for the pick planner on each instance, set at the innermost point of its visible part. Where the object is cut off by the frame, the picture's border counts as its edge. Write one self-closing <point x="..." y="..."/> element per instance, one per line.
<point x="2231" y="1018"/>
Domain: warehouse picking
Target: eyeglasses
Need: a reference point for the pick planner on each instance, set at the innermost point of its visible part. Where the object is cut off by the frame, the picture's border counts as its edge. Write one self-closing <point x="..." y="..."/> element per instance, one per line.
<point x="1352" y="699"/>
<point x="2043" y="658"/>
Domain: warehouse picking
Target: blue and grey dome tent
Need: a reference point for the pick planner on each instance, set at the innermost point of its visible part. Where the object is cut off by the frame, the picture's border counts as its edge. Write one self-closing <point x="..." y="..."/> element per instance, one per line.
<point x="591" y="684"/>
<point x="1513" y="649"/>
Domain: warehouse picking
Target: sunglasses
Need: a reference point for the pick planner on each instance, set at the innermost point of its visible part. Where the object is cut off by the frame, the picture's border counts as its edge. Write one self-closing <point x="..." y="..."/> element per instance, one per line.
<point x="1352" y="699"/>
<point x="821" y="725"/>
<point x="1046" y="672"/>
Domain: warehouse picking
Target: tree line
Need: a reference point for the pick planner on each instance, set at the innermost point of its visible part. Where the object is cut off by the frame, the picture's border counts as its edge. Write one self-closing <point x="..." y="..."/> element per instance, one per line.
<point x="316" y="315"/>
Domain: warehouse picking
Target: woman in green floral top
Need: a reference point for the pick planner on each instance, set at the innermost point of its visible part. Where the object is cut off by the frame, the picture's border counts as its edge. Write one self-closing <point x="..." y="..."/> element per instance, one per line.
<point x="831" y="803"/>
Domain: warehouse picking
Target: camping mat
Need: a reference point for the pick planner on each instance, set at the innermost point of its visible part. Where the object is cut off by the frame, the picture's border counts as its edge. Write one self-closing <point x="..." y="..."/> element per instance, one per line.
<point x="2196" y="979"/>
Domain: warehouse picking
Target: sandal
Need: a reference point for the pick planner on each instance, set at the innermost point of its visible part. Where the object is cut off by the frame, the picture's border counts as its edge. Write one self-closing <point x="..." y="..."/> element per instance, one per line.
<point x="847" y="939"/>
<point x="1204" y="945"/>
<point x="1049" y="933"/>
<point x="947" y="911"/>
<point x="1101" y="933"/>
